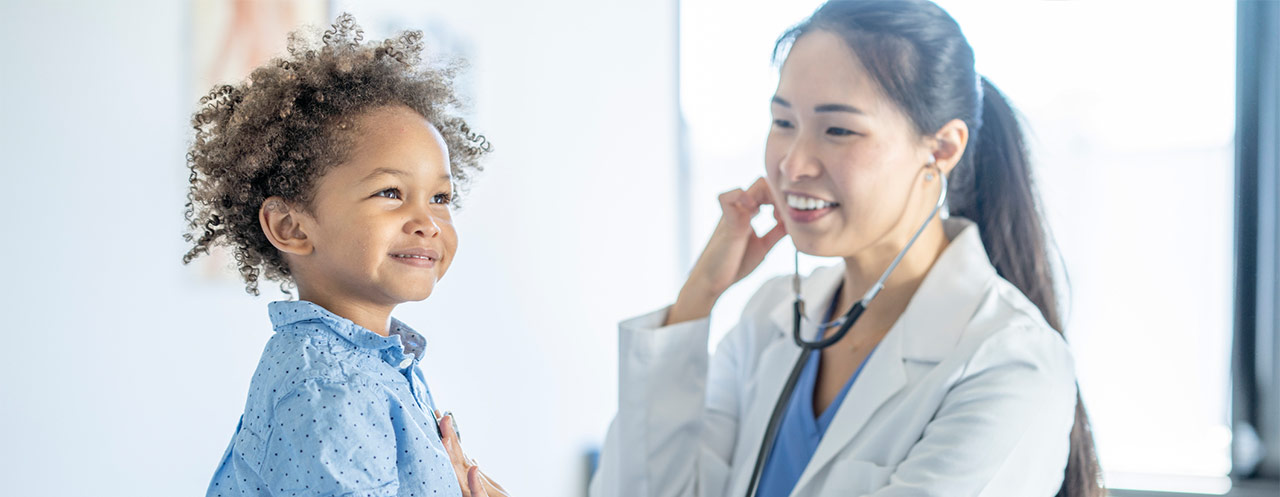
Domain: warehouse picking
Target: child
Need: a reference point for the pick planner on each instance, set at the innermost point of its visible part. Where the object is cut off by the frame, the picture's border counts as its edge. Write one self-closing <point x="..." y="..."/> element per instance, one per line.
<point x="333" y="169"/>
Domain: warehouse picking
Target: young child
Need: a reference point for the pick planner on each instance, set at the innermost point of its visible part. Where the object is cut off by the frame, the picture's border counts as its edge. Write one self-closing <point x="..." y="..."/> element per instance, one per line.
<point x="333" y="169"/>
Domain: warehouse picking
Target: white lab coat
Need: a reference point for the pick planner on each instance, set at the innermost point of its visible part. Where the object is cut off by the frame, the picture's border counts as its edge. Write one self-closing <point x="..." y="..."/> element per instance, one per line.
<point x="970" y="393"/>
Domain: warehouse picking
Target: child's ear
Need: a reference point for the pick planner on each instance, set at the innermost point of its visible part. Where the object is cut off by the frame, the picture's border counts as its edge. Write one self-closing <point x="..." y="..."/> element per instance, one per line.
<point x="282" y="225"/>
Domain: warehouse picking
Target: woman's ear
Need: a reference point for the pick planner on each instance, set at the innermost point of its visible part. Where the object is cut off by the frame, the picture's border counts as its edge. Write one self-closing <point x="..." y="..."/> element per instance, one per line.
<point x="949" y="144"/>
<point x="282" y="225"/>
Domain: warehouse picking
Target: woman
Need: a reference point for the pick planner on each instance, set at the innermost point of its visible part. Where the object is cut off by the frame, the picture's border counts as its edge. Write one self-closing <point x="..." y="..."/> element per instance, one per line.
<point x="954" y="381"/>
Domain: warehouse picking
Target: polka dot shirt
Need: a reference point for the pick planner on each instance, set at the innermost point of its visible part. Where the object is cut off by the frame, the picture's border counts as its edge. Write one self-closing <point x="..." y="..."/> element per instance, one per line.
<point x="336" y="409"/>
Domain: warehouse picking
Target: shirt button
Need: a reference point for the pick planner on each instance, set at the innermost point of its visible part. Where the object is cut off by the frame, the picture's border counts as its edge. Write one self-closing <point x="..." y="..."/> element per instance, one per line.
<point x="408" y="361"/>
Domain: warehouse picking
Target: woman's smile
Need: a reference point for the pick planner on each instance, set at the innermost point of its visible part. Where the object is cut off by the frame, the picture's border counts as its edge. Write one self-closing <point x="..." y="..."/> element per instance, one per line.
<point x="804" y="208"/>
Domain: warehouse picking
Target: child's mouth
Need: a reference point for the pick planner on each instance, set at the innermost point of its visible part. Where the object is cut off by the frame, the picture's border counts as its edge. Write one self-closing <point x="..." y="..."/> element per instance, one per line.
<point x="417" y="257"/>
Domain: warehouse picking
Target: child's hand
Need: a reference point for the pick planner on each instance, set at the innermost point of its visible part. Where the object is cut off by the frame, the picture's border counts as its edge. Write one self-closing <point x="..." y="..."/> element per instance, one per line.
<point x="474" y="483"/>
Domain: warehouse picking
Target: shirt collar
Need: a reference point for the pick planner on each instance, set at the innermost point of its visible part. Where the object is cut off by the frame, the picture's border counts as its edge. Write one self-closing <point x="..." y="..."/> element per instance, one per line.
<point x="938" y="311"/>
<point x="401" y="343"/>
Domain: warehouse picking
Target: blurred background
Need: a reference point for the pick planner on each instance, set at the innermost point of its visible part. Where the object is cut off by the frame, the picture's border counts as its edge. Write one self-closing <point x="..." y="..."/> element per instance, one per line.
<point x="616" y="124"/>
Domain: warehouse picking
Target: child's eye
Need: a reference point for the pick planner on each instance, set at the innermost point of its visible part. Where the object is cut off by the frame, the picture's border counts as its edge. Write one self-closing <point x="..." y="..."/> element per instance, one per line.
<point x="833" y="131"/>
<point x="442" y="198"/>
<point x="782" y="123"/>
<point x="392" y="193"/>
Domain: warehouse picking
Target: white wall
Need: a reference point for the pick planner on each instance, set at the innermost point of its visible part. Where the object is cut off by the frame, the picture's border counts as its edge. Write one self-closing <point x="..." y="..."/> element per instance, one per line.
<point x="123" y="372"/>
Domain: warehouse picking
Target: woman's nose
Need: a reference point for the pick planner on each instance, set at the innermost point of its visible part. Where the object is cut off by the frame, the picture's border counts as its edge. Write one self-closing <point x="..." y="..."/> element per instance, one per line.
<point x="800" y="161"/>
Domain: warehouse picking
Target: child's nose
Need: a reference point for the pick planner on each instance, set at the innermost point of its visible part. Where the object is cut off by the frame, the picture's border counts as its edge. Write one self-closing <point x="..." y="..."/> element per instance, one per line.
<point x="423" y="224"/>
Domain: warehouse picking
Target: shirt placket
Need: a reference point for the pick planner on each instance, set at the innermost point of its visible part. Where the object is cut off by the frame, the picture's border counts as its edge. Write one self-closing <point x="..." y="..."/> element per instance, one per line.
<point x="415" y="389"/>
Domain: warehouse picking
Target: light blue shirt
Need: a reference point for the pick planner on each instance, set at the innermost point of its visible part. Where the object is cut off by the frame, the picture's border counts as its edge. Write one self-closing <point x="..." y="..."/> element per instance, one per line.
<point x="336" y="409"/>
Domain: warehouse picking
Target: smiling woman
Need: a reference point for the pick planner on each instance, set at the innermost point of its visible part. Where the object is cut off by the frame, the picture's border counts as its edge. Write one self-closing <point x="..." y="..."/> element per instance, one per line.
<point x="957" y="378"/>
<point x="1156" y="383"/>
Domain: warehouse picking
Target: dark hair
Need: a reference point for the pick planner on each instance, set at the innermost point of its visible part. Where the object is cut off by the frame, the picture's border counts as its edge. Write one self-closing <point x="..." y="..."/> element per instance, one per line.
<point x="278" y="131"/>
<point x="922" y="61"/>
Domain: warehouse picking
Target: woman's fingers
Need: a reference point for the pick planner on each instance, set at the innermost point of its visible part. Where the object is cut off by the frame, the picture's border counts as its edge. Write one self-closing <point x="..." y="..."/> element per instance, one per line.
<point x="451" y="441"/>
<point x="759" y="247"/>
<point x="733" y="251"/>
<point x="759" y="192"/>
<point x="734" y="208"/>
<point x="739" y="206"/>
<point x="494" y="489"/>
<point x="735" y="248"/>
<point x="739" y="201"/>
<point x="771" y="238"/>
<point x="475" y="483"/>
<point x="453" y="447"/>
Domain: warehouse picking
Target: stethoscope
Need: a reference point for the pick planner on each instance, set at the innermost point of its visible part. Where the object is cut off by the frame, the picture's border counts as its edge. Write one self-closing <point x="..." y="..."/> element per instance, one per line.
<point x="845" y="322"/>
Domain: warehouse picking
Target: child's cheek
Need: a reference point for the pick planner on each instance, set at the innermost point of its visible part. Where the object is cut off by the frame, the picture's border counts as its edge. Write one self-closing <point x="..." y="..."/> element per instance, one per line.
<point x="450" y="236"/>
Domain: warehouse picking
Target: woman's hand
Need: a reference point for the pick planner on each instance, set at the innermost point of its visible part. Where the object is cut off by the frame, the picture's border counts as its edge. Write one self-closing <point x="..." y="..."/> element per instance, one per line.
<point x="473" y="482"/>
<point x="733" y="252"/>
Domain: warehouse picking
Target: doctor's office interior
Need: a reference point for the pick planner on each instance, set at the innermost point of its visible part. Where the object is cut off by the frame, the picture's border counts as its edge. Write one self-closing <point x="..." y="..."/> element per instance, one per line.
<point x="1154" y="128"/>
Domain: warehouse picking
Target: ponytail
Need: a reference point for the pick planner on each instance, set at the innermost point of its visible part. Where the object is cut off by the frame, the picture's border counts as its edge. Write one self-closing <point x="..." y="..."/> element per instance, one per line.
<point x="1002" y="201"/>
<point x="998" y="195"/>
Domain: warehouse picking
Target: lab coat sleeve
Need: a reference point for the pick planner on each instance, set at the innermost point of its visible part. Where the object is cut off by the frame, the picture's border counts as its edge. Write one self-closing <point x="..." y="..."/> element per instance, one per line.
<point x="677" y="411"/>
<point x="1004" y="426"/>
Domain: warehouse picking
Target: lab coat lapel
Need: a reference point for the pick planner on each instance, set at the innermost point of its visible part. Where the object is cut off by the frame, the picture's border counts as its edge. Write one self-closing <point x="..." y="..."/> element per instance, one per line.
<point x="884" y="375"/>
<point x="927" y="331"/>
<point x="776" y="361"/>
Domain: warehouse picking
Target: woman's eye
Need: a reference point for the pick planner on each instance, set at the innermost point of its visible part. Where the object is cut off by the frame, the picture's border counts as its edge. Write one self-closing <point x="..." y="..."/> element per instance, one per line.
<point x="442" y="198"/>
<point x="392" y="193"/>
<point x="782" y="123"/>
<point x="839" y="132"/>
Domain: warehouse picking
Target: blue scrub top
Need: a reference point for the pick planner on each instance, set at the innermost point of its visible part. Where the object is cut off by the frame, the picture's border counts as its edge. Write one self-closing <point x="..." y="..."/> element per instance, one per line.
<point x="801" y="430"/>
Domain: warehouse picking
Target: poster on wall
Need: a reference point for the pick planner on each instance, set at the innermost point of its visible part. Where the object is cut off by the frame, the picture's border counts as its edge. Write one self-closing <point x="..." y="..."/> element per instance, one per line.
<point x="228" y="39"/>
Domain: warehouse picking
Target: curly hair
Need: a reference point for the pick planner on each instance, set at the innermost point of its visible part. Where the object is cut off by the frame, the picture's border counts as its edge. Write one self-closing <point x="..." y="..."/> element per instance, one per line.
<point x="277" y="132"/>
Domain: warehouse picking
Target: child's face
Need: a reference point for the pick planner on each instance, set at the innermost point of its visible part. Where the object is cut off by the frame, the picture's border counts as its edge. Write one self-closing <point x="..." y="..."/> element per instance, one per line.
<point x="381" y="227"/>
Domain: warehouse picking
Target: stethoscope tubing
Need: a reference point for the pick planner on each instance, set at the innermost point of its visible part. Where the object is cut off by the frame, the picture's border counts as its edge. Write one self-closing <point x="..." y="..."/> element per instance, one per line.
<point x="807" y="347"/>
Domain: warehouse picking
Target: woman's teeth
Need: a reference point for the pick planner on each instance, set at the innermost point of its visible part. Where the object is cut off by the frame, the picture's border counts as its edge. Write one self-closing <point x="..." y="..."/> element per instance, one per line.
<point x="808" y="203"/>
<point x="403" y="256"/>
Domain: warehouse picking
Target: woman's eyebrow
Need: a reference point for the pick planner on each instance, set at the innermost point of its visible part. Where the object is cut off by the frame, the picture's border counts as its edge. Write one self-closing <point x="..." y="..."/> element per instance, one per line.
<point x="838" y="108"/>
<point x="824" y="107"/>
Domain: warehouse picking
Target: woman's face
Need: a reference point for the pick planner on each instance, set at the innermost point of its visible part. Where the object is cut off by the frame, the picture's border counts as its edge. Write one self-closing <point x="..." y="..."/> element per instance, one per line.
<point x="844" y="164"/>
